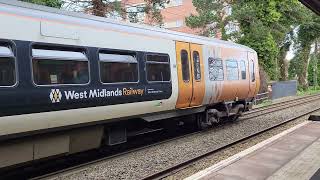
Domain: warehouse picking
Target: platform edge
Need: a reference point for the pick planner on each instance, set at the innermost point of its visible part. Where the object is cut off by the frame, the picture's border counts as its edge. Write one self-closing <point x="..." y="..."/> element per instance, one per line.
<point x="243" y="153"/>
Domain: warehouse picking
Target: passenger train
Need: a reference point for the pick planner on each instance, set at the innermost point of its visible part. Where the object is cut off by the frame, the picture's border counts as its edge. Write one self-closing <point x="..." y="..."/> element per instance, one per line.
<point x="71" y="82"/>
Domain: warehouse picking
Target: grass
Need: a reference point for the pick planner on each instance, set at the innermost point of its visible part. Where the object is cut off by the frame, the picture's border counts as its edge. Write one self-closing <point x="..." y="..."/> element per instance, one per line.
<point x="311" y="90"/>
<point x="265" y="103"/>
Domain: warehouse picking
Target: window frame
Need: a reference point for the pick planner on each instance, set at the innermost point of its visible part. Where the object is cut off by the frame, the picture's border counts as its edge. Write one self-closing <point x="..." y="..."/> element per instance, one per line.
<point x="155" y="62"/>
<point x="222" y="65"/>
<point x="56" y="47"/>
<point x="226" y="62"/>
<point x="188" y="60"/>
<point x="194" y="73"/>
<point x="245" y="68"/>
<point x="252" y="71"/>
<point x="12" y="46"/>
<point x="114" y="52"/>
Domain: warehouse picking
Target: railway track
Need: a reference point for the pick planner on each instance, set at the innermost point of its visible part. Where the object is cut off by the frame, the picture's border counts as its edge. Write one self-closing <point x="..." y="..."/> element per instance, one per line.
<point x="92" y="163"/>
<point x="171" y="170"/>
<point x="81" y="166"/>
<point x="279" y="106"/>
<point x="89" y="158"/>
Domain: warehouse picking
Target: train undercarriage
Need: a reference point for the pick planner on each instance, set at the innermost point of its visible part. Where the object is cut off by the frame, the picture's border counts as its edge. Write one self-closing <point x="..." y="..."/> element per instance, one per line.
<point x="31" y="148"/>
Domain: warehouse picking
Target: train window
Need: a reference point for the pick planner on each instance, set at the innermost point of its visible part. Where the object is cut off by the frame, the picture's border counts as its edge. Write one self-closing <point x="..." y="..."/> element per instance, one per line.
<point x="59" y="67"/>
<point x="232" y="70"/>
<point x="157" y="58"/>
<point x="196" y="66"/>
<point x="158" y="68"/>
<point x="215" y="69"/>
<point x="7" y="67"/>
<point x="252" y="74"/>
<point x="185" y="65"/>
<point x="115" y="68"/>
<point x="243" y="70"/>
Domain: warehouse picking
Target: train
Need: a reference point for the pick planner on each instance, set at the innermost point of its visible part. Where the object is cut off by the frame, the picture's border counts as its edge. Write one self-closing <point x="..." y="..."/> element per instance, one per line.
<point x="71" y="82"/>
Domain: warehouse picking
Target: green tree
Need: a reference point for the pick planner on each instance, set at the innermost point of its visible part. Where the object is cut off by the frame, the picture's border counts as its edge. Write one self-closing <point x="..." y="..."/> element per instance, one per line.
<point x="211" y="17"/>
<point x="106" y="8"/>
<point x="274" y="22"/>
<point x="294" y="67"/>
<point x="261" y="40"/>
<point x="293" y="13"/>
<point x="266" y="26"/>
<point x="283" y="50"/>
<point x="153" y="11"/>
<point x="50" y="3"/>
<point x="313" y="67"/>
<point x="308" y="35"/>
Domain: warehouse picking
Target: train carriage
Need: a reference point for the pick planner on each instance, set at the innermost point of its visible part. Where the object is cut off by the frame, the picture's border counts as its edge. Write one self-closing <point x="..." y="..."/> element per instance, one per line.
<point x="74" y="82"/>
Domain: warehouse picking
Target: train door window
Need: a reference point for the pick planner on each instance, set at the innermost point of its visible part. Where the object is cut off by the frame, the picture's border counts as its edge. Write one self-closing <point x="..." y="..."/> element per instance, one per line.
<point x="196" y="66"/>
<point x="7" y="67"/>
<point x="252" y="74"/>
<point x="243" y="70"/>
<point x="158" y="68"/>
<point x="232" y="70"/>
<point x="116" y="68"/>
<point x="215" y="69"/>
<point x="51" y="67"/>
<point x="185" y="65"/>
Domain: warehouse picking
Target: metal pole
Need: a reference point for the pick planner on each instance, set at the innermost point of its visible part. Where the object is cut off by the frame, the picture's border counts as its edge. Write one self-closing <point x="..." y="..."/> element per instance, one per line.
<point x="316" y="64"/>
<point x="314" y="73"/>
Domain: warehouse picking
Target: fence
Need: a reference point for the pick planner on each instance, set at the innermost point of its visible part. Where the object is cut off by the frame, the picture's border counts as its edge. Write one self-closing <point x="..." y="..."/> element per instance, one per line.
<point x="261" y="97"/>
<point x="284" y="88"/>
<point x="278" y="90"/>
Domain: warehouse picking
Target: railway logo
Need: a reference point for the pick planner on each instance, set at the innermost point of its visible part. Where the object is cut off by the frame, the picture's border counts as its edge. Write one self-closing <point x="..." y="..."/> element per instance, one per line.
<point x="55" y="95"/>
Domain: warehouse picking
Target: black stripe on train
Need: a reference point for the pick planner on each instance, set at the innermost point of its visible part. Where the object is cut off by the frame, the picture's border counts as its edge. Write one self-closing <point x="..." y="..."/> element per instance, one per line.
<point x="26" y="97"/>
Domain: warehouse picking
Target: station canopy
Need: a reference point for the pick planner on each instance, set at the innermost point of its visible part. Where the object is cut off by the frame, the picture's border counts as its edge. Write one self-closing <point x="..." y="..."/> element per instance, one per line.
<point x="314" y="5"/>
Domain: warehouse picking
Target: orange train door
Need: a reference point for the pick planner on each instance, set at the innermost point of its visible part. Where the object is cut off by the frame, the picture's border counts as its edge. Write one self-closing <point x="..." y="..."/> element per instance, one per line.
<point x="190" y="75"/>
<point x="197" y="75"/>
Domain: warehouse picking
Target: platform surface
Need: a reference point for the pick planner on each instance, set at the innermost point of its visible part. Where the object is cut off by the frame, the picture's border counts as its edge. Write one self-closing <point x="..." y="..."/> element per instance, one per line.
<point x="293" y="154"/>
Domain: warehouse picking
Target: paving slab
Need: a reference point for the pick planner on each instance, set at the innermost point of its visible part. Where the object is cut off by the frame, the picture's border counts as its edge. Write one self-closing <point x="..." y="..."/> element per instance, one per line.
<point x="292" y="154"/>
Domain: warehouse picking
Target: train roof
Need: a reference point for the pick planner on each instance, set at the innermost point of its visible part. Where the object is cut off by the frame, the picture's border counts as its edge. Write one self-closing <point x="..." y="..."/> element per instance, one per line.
<point x="44" y="12"/>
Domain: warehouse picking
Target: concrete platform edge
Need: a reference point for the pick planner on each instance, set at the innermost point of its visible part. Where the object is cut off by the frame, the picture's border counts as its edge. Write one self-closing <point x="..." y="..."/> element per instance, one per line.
<point x="242" y="154"/>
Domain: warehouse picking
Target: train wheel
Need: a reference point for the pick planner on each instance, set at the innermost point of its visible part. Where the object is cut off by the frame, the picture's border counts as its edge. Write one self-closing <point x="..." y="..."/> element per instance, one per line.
<point x="202" y="122"/>
<point x="215" y="120"/>
<point x="234" y="117"/>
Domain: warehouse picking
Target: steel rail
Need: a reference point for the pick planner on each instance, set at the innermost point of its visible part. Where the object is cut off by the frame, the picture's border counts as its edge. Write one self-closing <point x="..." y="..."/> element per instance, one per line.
<point x="83" y="166"/>
<point x="171" y="170"/>
<point x="265" y="112"/>
<point x="285" y="103"/>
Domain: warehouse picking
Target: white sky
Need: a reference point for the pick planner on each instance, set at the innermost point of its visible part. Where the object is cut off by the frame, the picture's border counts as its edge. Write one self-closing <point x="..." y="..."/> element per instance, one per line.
<point x="290" y="53"/>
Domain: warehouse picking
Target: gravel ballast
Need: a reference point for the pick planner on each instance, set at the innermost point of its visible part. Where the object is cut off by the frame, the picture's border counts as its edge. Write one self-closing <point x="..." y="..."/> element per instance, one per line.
<point x="230" y="151"/>
<point x="140" y="164"/>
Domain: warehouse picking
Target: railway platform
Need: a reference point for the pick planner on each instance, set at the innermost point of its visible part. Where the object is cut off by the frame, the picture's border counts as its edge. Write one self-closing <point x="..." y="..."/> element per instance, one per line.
<point x="292" y="154"/>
